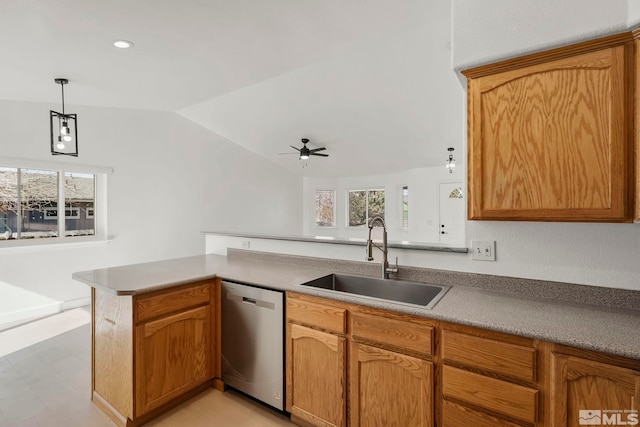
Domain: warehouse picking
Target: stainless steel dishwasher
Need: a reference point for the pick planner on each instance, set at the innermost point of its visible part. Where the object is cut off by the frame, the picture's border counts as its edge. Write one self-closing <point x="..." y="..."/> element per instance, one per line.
<point x="253" y="342"/>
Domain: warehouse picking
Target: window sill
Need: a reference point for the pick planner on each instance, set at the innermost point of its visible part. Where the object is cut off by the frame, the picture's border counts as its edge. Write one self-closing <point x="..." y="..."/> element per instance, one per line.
<point x="50" y="244"/>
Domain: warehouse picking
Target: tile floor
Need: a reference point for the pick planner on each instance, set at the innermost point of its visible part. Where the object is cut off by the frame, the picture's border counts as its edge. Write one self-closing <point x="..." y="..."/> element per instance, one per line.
<point x="48" y="384"/>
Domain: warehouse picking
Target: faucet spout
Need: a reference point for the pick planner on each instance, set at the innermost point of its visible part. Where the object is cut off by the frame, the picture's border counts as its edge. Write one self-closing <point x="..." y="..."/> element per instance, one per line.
<point x="385" y="263"/>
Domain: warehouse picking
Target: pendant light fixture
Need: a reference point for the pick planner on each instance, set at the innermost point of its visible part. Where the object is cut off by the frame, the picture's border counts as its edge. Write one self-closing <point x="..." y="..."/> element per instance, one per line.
<point x="451" y="162"/>
<point x="64" y="132"/>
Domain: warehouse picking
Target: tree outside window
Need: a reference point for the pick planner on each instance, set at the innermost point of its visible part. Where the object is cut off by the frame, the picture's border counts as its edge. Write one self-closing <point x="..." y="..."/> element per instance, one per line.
<point x="325" y="208"/>
<point x="364" y="205"/>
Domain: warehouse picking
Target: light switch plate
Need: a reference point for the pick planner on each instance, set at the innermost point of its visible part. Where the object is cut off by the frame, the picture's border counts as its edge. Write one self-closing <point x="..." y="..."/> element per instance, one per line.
<point x="246" y="244"/>
<point x="483" y="250"/>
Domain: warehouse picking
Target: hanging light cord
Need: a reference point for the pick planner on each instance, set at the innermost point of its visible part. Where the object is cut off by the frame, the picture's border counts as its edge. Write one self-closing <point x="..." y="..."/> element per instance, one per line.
<point x="62" y="85"/>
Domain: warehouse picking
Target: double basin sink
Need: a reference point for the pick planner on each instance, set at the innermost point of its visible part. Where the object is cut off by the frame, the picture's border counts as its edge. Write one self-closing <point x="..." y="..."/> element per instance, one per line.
<point x="413" y="293"/>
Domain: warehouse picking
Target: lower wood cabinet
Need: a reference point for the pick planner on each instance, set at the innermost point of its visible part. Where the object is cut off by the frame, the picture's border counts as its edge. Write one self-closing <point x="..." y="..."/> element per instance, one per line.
<point x="488" y="376"/>
<point x="390" y="374"/>
<point x="152" y="350"/>
<point x="173" y="355"/>
<point x="588" y="392"/>
<point x="389" y="388"/>
<point x="359" y="366"/>
<point x="316" y="376"/>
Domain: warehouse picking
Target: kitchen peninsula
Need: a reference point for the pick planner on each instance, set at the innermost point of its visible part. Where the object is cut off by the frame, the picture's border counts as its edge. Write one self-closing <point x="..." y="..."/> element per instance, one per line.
<point x="140" y="310"/>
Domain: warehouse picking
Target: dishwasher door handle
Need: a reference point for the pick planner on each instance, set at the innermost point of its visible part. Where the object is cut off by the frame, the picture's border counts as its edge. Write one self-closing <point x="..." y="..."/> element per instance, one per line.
<point x="250" y="301"/>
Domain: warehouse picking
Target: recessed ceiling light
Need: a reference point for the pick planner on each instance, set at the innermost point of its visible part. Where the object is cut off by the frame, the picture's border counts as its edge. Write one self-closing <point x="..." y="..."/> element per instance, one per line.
<point x="123" y="44"/>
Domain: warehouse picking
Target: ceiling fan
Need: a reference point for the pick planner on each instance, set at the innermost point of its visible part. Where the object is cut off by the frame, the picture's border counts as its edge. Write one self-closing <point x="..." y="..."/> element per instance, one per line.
<point x="305" y="152"/>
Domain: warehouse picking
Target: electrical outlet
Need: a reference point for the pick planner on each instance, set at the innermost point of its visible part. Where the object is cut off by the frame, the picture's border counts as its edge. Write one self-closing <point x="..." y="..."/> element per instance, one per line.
<point x="483" y="250"/>
<point x="246" y="244"/>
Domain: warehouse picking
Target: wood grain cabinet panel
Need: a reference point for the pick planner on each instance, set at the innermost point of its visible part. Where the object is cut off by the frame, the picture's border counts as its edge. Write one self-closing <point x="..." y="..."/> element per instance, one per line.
<point x="584" y="391"/>
<point x="150" y="351"/>
<point x="303" y="310"/>
<point x="636" y="115"/>
<point x="508" y="360"/>
<point x="550" y="139"/>
<point x="149" y="307"/>
<point x="316" y="376"/>
<point x="454" y="415"/>
<point x="173" y="355"/>
<point x="112" y="351"/>
<point x="495" y="395"/>
<point x="402" y="334"/>
<point x="389" y="389"/>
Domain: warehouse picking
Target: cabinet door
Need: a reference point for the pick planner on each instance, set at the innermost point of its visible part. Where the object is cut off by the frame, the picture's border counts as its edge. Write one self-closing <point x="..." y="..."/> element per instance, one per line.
<point x="550" y="141"/>
<point x="172" y="355"/>
<point x="389" y="389"/>
<point x="586" y="392"/>
<point x="316" y="376"/>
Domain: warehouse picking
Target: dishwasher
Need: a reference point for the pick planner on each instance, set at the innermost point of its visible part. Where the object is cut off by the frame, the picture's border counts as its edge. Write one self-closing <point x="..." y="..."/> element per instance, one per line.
<point x="253" y="342"/>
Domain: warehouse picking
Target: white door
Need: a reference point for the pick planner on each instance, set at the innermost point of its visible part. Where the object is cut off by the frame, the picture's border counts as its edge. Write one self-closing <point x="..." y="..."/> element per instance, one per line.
<point x="452" y="202"/>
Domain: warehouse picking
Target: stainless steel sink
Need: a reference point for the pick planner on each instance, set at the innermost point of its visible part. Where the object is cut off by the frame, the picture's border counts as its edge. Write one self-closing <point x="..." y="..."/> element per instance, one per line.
<point x="414" y="293"/>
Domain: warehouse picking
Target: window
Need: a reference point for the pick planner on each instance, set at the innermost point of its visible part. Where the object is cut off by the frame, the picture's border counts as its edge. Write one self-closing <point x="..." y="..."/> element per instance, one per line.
<point x="325" y="208"/>
<point x="32" y="202"/>
<point x="405" y="207"/>
<point x="364" y="205"/>
<point x="79" y="199"/>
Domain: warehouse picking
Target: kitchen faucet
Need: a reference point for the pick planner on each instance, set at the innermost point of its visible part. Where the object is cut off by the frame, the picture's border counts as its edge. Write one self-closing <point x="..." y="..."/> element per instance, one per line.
<point x="386" y="270"/>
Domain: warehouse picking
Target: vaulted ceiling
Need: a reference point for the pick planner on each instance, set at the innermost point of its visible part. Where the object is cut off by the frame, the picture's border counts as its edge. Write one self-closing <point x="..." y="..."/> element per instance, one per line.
<point x="368" y="79"/>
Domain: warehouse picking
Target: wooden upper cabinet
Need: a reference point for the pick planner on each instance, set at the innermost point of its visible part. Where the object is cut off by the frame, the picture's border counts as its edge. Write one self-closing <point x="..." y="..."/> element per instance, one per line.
<point x="550" y="134"/>
<point x="636" y="115"/>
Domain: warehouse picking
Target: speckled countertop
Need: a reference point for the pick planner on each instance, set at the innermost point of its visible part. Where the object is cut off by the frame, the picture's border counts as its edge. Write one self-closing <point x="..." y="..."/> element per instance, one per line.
<point x="607" y="329"/>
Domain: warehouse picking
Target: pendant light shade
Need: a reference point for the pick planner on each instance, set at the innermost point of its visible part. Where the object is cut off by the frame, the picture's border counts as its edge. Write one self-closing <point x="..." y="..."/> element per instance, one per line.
<point x="64" y="130"/>
<point x="451" y="162"/>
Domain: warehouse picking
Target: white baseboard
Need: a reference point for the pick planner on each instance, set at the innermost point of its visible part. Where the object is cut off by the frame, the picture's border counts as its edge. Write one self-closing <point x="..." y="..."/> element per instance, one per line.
<point x="75" y="303"/>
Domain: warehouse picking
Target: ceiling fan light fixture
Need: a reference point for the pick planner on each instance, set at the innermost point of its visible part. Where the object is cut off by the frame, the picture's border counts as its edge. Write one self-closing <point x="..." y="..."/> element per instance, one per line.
<point x="305" y="153"/>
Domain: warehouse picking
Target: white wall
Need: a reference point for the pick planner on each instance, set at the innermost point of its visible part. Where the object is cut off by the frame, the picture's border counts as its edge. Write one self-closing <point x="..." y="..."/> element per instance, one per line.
<point x="633" y="12"/>
<point x="489" y="30"/>
<point x="424" y="187"/>
<point x="591" y="254"/>
<point x="172" y="179"/>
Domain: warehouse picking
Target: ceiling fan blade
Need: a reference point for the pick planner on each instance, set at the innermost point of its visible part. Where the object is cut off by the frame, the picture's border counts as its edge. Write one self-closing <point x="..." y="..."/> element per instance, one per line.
<point x="295" y="148"/>
<point x="318" y="154"/>
<point x="317" y="149"/>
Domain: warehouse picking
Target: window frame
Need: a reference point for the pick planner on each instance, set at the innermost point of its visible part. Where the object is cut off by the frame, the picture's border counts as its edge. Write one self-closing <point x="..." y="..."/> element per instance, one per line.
<point x="100" y="204"/>
<point x="366" y="206"/>
<point x="335" y="212"/>
<point x="402" y="201"/>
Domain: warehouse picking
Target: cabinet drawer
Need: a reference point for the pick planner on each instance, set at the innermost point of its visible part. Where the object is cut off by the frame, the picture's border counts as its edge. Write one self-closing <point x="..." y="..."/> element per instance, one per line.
<point x="454" y="415"/>
<point x="500" y="396"/>
<point x="397" y="333"/>
<point x="172" y="301"/>
<point x="317" y="314"/>
<point x="510" y="360"/>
